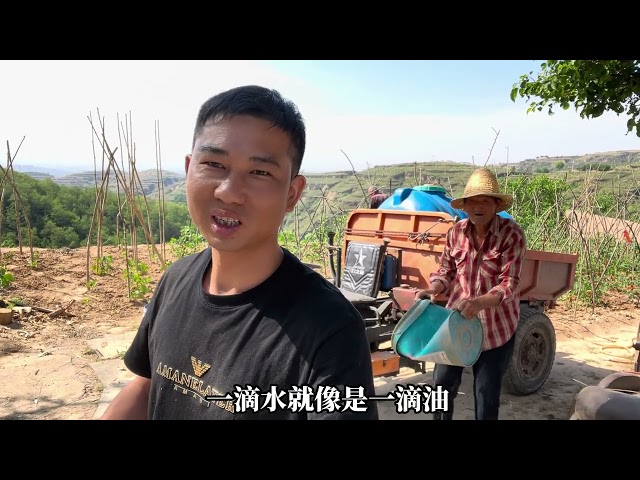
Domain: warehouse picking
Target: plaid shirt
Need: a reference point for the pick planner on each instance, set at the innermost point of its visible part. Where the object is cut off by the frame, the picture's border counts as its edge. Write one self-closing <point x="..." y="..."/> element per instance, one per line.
<point x="494" y="268"/>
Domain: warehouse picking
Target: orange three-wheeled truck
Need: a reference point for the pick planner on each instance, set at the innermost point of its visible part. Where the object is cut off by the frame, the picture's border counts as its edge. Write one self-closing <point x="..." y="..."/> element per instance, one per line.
<point x="386" y="256"/>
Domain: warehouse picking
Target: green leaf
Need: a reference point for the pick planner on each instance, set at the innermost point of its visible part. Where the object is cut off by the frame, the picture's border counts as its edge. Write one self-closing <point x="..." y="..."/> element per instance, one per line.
<point x="514" y="94"/>
<point x="631" y="123"/>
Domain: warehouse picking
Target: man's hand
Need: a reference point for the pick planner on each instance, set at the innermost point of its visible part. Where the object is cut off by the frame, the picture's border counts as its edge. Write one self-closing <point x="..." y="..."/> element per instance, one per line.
<point x="470" y="308"/>
<point x="431" y="292"/>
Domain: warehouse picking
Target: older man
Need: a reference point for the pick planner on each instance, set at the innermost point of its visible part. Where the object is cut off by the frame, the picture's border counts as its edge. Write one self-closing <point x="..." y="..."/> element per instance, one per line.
<point x="480" y="271"/>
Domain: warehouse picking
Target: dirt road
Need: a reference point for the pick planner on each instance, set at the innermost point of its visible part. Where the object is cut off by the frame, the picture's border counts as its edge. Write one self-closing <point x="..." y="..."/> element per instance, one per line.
<point x="68" y="367"/>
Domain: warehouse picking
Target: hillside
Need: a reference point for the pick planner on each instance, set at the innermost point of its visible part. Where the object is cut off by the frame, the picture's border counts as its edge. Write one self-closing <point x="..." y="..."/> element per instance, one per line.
<point x="334" y="194"/>
<point x="53" y="215"/>
<point x="38" y="175"/>
<point x="615" y="172"/>
<point x="148" y="179"/>
<point x="626" y="157"/>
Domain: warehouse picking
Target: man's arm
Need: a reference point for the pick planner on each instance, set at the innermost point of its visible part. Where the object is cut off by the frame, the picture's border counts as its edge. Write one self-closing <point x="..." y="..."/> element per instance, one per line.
<point x="133" y="400"/>
<point x="447" y="271"/>
<point x="512" y="260"/>
<point x="440" y="280"/>
<point x="471" y="307"/>
<point x="344" y="360"/>
<point x="131" y="403"/>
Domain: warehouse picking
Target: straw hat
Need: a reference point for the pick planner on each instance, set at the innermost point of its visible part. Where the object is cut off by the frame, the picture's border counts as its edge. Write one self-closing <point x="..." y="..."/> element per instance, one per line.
<point x="483" y="182"/>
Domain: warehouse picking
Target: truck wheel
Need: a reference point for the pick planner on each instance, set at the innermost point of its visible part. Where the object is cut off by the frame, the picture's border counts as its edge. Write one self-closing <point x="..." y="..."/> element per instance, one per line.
<point x="533" y="355"/>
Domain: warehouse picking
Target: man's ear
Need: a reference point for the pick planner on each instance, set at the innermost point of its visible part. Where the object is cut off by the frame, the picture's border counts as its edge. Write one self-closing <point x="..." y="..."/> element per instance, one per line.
<point x="187" y="162"/>
<point x="296" y="188"/>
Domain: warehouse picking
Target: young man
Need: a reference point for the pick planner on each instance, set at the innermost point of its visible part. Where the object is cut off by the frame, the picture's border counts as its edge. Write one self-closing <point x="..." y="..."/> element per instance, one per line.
<point x="480" y="270"/>
<point x="244" y="319"/>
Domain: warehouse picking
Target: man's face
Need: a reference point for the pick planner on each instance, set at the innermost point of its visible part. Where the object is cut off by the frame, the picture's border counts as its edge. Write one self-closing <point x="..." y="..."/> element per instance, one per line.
<point x="481" y="209"/>
<point x="239" y="185"/>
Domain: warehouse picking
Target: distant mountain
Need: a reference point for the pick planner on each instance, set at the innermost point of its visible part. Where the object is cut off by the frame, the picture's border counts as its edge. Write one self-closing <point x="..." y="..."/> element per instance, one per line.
<point x="37" y="175"/>
<point x="148" y="179"/>
<point x="40" y="170"/>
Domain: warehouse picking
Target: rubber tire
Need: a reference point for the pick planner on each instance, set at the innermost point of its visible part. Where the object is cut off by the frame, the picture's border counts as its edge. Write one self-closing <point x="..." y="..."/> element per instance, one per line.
<point x="514" y="382"/>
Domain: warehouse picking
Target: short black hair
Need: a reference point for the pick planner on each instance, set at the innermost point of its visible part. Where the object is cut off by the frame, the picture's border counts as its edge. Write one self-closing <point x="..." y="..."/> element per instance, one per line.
<point x="259" y="102"/>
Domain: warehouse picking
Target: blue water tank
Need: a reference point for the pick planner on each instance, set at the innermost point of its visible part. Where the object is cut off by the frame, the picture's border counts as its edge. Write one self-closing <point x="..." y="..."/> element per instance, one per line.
<point x="426" y="198"/>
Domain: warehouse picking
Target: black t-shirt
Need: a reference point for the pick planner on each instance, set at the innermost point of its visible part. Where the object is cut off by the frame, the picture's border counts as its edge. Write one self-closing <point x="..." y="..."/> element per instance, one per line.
<point x="294" y="337"/>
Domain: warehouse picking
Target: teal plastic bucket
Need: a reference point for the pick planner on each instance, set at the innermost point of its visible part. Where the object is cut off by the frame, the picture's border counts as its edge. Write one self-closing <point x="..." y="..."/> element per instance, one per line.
<point x="431" y="333"/>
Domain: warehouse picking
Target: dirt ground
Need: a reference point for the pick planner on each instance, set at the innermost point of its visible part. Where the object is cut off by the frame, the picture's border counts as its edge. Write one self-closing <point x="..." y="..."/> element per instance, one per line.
<point x="589" y="346"/>
<point x="49" y="364"/>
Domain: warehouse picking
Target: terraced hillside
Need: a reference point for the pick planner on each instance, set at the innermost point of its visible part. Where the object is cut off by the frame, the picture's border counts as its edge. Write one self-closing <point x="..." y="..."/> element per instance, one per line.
<point x="340" y="192"/>
<point x="627" y="157"/>
<point x="38" y="175"/>
<point x="148" y="180"/>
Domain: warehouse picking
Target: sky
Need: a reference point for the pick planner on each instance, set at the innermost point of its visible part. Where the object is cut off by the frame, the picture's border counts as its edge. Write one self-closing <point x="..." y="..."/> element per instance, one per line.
<point x="374" y="112"/>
